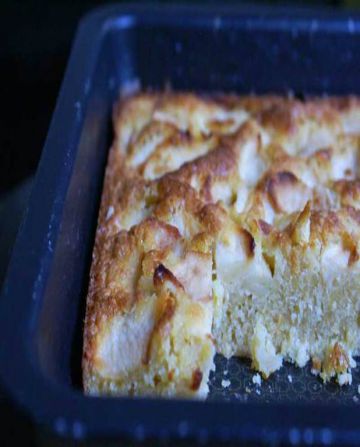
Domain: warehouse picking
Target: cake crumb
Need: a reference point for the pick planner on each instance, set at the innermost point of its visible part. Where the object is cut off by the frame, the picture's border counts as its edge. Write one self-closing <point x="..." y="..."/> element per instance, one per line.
<point x="359" y="389"/>
<point x="256" y="379"/>
<point x="257" y="391"/>
<point x="345" y="379"/>
<point x="355" y="399"/>
<point x="225" y="383"/>
<point x="226" y="372"/>
<point x="247" y="390"/>
<point x="290" y="378"/>
<point x="316" y="366"/>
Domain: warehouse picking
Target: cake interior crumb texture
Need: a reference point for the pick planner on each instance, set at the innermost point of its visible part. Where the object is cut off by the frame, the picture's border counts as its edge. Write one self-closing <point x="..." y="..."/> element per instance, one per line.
<point x="227" y="225"/>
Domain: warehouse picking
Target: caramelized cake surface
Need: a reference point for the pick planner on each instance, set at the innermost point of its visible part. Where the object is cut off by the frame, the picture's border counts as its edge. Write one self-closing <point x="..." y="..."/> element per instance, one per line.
<point x="227" y="224"/>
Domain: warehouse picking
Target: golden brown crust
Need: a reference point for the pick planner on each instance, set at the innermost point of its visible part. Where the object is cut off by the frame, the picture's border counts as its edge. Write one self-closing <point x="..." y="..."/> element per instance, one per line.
<point x="196" y="379"/>
<point x="185" y="170"/>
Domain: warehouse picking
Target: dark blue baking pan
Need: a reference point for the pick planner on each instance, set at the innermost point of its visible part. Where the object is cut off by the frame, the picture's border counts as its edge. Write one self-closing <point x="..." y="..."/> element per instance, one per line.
<point x="242" y="49"/>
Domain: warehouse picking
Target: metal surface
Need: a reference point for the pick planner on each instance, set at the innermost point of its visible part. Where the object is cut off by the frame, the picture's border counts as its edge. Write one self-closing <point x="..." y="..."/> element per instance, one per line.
<point x="42" y="307"/>
<point x="234" y="380"/>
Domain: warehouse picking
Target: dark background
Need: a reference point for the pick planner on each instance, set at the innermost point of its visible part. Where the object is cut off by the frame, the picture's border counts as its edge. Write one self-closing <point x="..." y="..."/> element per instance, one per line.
<point x="35" y="43"/>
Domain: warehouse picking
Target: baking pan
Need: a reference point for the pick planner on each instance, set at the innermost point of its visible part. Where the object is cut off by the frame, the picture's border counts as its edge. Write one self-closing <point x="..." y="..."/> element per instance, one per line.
<point x="121" y="48"/>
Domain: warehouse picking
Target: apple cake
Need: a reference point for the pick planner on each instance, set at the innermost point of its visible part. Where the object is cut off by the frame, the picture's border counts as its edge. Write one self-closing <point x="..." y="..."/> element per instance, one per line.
<point x="228" y="224"/>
